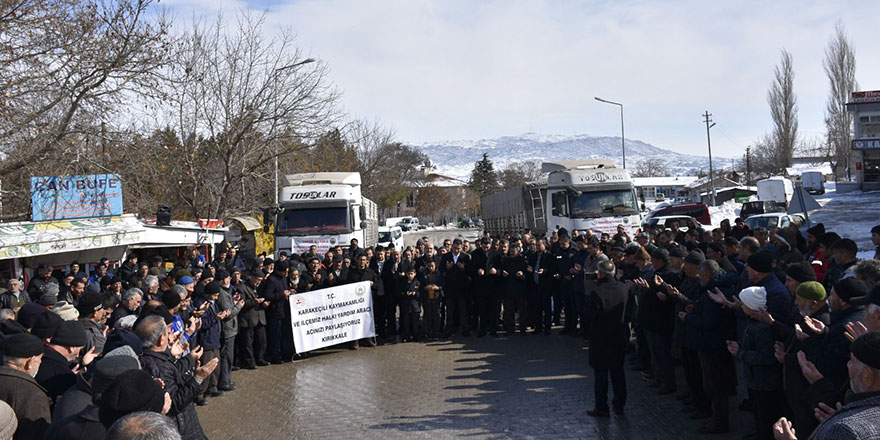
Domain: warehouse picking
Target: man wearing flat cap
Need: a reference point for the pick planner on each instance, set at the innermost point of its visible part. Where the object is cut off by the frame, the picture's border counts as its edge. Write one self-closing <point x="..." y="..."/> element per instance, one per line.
<point x="857" y="418"/>
<point x="22" y="356"/>
<point x="64" y="348"/>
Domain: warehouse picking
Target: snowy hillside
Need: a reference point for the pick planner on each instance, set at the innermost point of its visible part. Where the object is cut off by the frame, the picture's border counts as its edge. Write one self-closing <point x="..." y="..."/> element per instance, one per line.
<point x="456" y="158"/>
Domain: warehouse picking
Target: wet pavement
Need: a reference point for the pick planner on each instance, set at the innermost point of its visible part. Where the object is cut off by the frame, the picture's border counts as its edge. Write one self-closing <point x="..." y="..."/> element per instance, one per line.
<point x="519" y="387"/>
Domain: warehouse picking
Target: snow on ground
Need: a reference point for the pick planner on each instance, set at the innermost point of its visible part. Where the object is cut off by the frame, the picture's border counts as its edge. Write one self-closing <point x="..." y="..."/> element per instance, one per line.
<point x="851" y="215"/>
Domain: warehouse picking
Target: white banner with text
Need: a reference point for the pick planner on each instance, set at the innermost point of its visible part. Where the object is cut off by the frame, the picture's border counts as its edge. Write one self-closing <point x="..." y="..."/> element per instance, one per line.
<point x="326" y="317"/>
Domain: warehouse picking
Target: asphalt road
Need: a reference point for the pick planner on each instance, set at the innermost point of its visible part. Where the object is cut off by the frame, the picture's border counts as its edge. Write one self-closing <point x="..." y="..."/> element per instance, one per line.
<point x="438" y="235"/>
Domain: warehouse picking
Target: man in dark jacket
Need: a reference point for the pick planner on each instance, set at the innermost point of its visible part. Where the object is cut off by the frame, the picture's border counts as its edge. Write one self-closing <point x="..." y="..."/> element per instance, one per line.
<point x="707" y="327"/>
<point x="55" y="374"/>
<point x="608" y="311"/>
<point x="21" y="360"/>
<point x="209" y="337"/>
<point x="656" y="317"/>
<point x="562" y="258"/>
<point x="362" y="272"/>
<point x="85" y="423"/>
<point x="540" y="311"/>
<point x="181" y="378"/>
<point x="480" y="271"/>
<point x="252" y="323"/>
<point x="453" y="266"/>
<point x="514" y="272"/>
<point x="275" y="292"/>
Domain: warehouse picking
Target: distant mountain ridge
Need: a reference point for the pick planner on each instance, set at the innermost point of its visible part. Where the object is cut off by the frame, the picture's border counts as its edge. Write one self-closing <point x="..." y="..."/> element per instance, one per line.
<point x="456" y="158"/>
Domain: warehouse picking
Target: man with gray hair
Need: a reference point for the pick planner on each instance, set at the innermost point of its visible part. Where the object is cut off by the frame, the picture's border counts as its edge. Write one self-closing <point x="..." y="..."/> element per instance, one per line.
<point x="150" y="286"/>
<point x="143" y="425"/>
<point x="608" y="311"/>
<point x="868" y="271"/>
<point x="182" y="376"/>
<point x="130" y="306"/>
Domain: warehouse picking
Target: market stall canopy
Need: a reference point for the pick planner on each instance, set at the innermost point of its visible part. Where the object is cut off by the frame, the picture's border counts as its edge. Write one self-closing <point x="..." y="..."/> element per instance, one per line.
<point x="30" y="239"/>
<point x="247" y="223"/>
<point x="179" y="233"/>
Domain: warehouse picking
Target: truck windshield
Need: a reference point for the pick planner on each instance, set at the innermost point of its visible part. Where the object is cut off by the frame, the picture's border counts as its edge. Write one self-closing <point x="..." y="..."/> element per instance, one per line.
<point x="603" y="203"/>
<point x="309" y="220"/>
<point x="384" y="237"/>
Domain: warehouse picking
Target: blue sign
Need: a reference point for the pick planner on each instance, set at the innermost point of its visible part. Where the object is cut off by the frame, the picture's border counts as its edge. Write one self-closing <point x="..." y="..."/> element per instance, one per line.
<point x="866" y="144"/>
<point x="63" y="197"/>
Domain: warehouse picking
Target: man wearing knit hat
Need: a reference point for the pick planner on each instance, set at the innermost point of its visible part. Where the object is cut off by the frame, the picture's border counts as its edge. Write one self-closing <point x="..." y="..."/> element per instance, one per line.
<point x="63" y="349"/>
<point x="22" y="355"/>
<point x="857" y="419"/>
<point x="45" y="325"/>
<point x="85" y="422"/>
<point x="132" y="391"/>
<point x="763" y="374"/>
<point x="797" y="273"/>
<point x="760" y="273"/>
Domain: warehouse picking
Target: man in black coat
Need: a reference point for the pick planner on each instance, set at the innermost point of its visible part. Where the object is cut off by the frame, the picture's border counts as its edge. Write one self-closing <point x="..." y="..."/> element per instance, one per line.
<point x="453" y="266"/>
<point x="55" y="374"/>
<point x="362" y="272"/>
<point x="539" y="303"/>
<point x="180" y="376"/>
<point x="608" y="311"/>
<point x="482" y="274"/>
<point x="22" y="355"/>
<point x="562" y="276"/>
<point x="280" y="334"/>
<point x="252" y="323"/>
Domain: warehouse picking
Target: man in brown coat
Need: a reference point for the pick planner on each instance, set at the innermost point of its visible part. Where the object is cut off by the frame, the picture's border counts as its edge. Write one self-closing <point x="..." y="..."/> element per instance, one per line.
<point x="22" y="356"/>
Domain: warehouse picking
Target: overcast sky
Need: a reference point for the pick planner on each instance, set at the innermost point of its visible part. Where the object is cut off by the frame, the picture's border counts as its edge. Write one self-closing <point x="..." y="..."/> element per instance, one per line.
<point x="470" y="69"/>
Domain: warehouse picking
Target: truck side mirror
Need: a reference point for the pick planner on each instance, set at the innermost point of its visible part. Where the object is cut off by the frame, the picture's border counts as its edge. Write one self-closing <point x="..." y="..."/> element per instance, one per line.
<point x="362" y="210"/>
<point x="269" y="217"/>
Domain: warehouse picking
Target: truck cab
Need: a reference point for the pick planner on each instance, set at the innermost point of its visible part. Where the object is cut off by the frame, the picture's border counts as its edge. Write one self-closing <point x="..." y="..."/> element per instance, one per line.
<point x="595" y="198"/>
<point x="324" y="210"/>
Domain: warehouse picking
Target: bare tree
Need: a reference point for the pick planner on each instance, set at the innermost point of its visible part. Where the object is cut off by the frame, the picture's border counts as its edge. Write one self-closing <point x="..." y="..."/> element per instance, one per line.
<point x="651" y="168"/>
<point x="239" y="100"/>
<point x="433" y="202"/>
<point x="68" y="68"/>
<point x="518" y="173"/>
<point x="840" y="68"/>
<point x="389" y="169"/>
<point x="783" y="110"/>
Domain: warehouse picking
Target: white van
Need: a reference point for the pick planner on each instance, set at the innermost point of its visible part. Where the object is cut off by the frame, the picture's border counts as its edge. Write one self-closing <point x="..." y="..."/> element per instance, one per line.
<point x="389" y="235"/>
<point x="775" y="189"/>
<point x="813" y="181"/>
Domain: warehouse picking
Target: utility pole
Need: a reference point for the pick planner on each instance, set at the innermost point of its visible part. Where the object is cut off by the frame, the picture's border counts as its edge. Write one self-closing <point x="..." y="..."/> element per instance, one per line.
<point x="708" y="120"/>
<point x="748" y="166"/>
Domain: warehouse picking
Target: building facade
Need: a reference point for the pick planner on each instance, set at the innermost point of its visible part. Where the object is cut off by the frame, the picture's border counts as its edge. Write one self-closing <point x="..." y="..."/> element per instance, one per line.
<point x="866" y="138"/>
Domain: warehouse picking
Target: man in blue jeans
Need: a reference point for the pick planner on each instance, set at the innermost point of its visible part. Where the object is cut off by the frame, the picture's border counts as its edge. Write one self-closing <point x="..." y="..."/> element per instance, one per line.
<point x="280" y="335"/>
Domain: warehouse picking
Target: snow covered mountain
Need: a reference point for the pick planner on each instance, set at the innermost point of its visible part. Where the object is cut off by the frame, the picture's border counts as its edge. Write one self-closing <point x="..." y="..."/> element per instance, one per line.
<point x="456" y="158"/>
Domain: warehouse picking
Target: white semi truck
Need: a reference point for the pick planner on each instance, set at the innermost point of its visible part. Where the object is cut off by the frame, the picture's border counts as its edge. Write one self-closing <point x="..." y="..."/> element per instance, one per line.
<point x="584" y="195"/>
<point x="324" y="210"/>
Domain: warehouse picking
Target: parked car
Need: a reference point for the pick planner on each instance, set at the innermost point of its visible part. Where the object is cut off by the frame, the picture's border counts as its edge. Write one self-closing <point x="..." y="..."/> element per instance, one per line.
<point x="409" y="224"/>
<point x="391" y="235"/>
<point x="684" y="222"/>
<point x="774" y="220"/>
<point x="699" y="211"/>
<point x="759" y="207"/>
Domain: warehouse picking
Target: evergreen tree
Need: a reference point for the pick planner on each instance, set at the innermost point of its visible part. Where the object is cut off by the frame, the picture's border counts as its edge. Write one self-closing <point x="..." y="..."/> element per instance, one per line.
<point x="483" y="179"/>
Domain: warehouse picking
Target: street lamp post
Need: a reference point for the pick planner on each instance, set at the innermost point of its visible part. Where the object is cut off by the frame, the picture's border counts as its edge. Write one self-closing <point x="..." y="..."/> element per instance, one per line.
<point x="275" y="79"/>
<point x="622" y="135"/>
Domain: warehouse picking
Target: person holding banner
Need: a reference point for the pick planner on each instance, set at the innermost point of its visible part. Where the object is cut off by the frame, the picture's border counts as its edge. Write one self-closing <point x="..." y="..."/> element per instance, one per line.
<point x="274" y="291"/>
<point x="362" y="272"/>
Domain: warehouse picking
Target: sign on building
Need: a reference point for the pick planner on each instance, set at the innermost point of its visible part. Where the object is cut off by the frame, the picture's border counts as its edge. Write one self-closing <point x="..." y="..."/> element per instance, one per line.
<point x="326" y="317"/>
<point x="67" y="197"/>
<point x="866" y="144"/>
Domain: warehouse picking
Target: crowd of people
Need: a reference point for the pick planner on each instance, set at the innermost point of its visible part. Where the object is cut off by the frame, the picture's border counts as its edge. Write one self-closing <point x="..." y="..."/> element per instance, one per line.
<point x="102" y="352"/>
